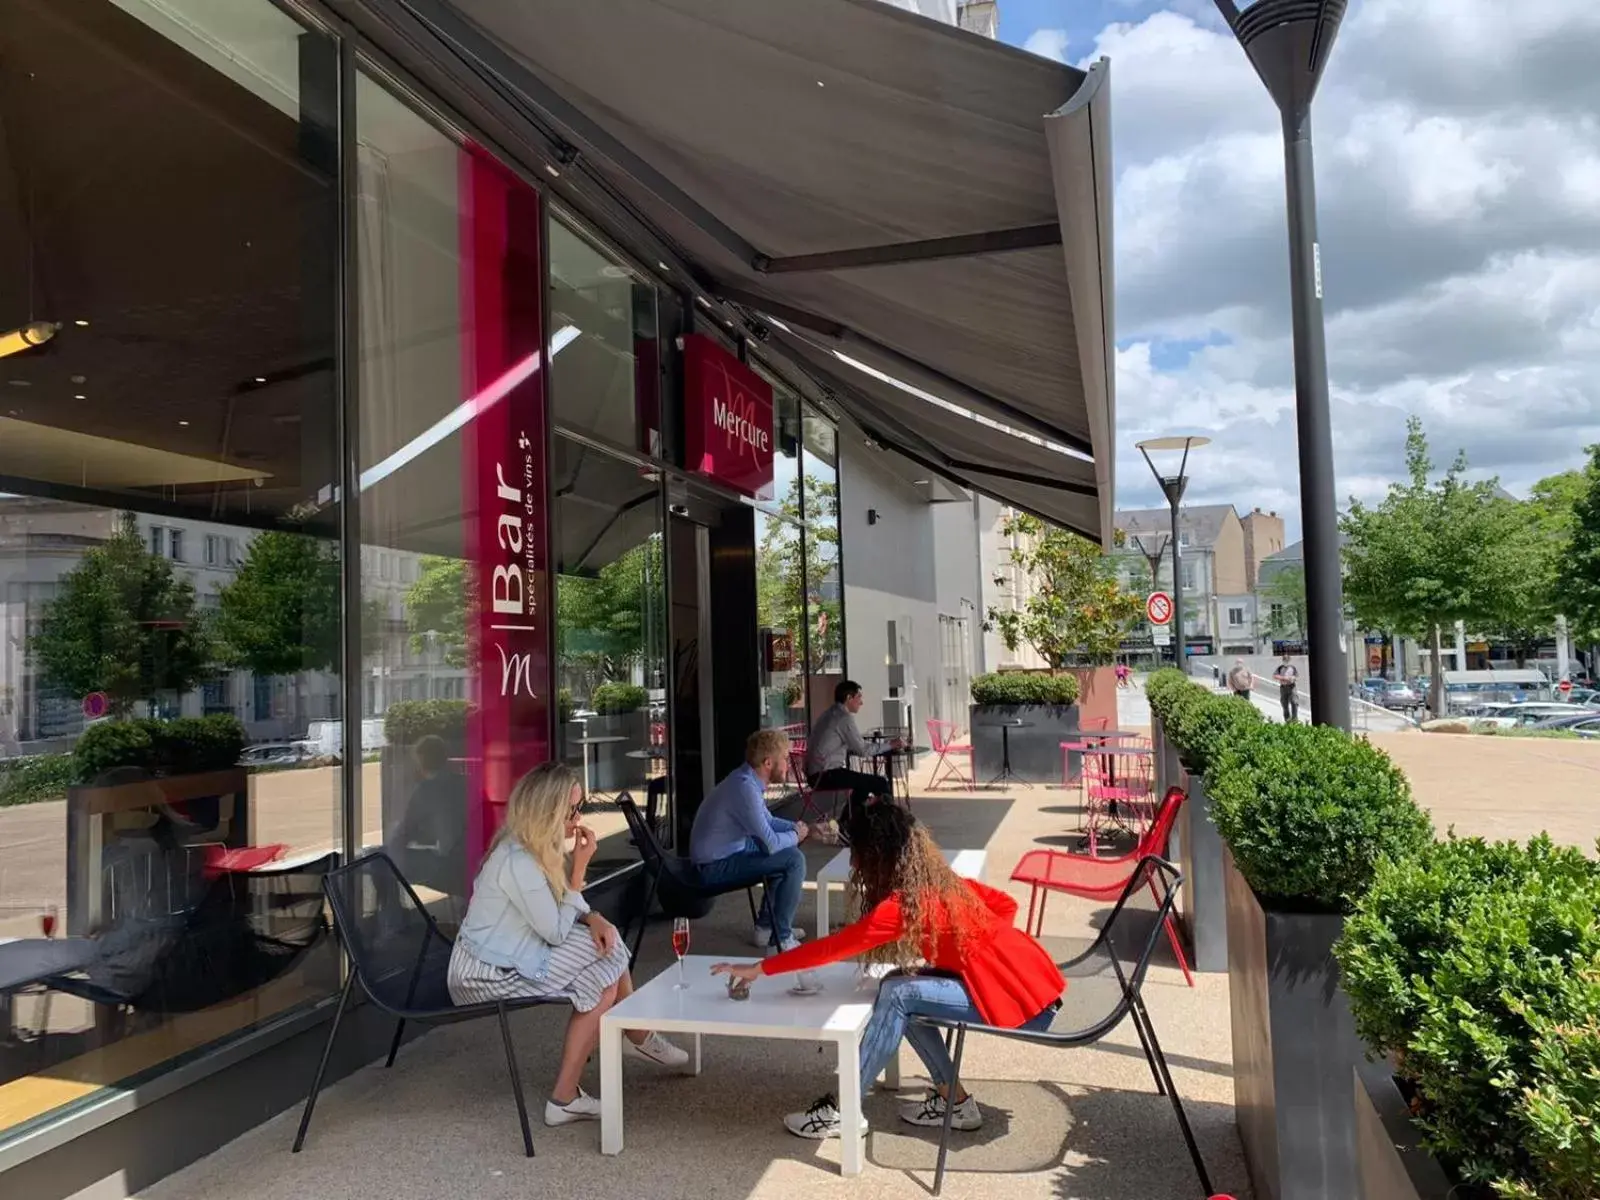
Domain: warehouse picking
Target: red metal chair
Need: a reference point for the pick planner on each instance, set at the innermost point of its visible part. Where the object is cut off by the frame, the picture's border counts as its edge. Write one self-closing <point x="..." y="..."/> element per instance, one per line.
<point x="941" y="735"/>
<point x="1116" y="792"/>
<point x="808" y="796"/>
<point x="1092" y="878"/>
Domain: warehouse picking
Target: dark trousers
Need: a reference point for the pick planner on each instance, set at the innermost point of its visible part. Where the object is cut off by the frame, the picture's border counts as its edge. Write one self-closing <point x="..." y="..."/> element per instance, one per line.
<point x="859" y="784"/>
<point x="1291" y="704"/>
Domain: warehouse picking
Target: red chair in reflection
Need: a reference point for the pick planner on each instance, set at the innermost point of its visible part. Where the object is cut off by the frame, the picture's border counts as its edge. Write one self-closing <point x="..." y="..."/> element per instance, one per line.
<point x="810" y="807"/>
<point x="1092" y="878"/>
<point x="941" y="736"/>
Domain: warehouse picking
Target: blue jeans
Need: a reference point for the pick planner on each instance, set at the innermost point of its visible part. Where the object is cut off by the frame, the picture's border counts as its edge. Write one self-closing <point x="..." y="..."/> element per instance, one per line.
<point x="902" y="997"/>
<point x="751" y="867"/>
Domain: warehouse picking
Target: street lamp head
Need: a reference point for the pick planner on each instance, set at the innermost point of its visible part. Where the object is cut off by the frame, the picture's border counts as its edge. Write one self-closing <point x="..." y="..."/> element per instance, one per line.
<point x="1180" y="442"/>
<point x="1288" y="43"/>
<point x="1173" y="483"/>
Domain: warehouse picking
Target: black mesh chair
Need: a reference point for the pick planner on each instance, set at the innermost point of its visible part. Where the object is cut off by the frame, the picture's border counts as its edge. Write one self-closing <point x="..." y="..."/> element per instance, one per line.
<point x="673" y="880"/>
<point x="1104" y="988"/>
<point x="400" y="958"/>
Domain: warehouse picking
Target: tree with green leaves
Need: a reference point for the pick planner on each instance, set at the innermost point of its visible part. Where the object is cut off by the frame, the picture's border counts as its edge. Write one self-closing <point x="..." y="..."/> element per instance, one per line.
<point x="608" y="622"/>
<point x="1075" y="609"/>
<point x="1579" y="574"/>
<point x="436" y="608"/>
<point x="124" y="623"/>
<point x="1433" y="552"/>
<point x="279" y="615"/>
<point x="1285" y="593"/>
<point x="1536" y="600"/>
<point x="798" y="587"/>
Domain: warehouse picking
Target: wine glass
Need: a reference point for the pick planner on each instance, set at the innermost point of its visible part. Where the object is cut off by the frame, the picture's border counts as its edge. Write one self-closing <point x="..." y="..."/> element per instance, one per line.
<point x="680" y="947"/>
<point x="47" y="921"/>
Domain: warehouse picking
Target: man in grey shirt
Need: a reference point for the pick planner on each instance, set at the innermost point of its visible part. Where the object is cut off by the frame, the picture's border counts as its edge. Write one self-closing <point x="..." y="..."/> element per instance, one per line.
<point x="834" y="739"/>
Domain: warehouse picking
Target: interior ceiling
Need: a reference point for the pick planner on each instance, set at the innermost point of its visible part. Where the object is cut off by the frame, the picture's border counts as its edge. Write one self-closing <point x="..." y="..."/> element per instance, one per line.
<point x="177" y="214"/>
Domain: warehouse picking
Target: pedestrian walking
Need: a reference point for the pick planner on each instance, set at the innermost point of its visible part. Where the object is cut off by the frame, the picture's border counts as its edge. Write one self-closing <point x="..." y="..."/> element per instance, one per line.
<point x="1240" y="679"/>
<point x="1288" y="677"/>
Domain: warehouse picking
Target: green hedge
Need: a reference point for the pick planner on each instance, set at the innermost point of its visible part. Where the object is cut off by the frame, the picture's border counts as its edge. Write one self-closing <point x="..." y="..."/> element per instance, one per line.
<point x="1309" y="813"/>
<point x="1478" y="967"/>
<point x="407" y="722"/>
<point x="1163" y="686"/>
<point x="1024" y="687"/>
<point x="184" y="746"/>
<point x="616" y="699"/>
<point x="42" y="777"/>
<point x="1201" y="723"/>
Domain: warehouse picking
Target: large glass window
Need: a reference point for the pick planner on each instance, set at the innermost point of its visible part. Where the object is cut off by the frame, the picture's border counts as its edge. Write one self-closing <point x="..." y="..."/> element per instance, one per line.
<point x="605" y="369"/>
<point x="781" y="574"/>
<point x="819" y="464"/>
<point x="169" y="566"/>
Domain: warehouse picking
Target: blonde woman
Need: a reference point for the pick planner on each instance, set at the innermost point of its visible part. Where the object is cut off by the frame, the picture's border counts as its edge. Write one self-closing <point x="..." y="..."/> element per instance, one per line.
<point x="528" y="932"/>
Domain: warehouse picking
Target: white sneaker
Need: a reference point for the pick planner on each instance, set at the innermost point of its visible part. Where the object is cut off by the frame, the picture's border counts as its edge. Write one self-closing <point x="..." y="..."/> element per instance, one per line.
<point x="782" y="947"/>
<point x="930" y="1111"/>
<point x="582" y="1107"/>
<point x="763" y="936"/>
<point x="656" y="1049"/>
<point x="819" y="1122"/>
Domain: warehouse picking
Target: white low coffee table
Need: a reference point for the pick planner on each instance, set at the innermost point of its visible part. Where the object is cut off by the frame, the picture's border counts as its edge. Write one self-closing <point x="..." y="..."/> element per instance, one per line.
<point x="837" y="1014"/>
<point x="969" y="864"/>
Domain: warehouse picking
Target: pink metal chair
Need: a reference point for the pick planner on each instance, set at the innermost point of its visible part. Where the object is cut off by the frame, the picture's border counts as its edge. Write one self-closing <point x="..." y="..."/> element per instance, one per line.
<point x="941" y="736"/>
<point x="1090" y="877"/>
<point x="1116" y="791"/>
<point x="809" y="805"/>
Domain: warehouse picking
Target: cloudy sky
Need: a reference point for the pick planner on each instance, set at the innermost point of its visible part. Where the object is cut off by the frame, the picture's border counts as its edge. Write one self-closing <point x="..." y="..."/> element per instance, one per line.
<point x="1458" y="172"/>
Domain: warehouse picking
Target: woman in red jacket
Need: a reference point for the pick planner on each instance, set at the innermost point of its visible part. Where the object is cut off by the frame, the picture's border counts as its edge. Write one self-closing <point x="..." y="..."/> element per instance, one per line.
<point x="962" y="958"/>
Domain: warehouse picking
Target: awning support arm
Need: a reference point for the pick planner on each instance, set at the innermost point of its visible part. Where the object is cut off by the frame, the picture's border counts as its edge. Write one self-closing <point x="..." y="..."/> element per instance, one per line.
<point x="966" y="245"/>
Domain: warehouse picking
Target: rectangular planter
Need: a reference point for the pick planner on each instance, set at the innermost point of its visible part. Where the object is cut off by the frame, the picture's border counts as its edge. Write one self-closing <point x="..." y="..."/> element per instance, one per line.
<point x="1392" y="1164"/>
<point x="1035" y="749"/>
<point x="1203" y="900"/>
<point x="1294" y="1049"/>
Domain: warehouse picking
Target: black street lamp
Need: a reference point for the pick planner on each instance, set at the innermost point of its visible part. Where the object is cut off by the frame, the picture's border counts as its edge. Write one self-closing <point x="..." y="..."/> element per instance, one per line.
<point x="1288" y="43"/>
<point x="1172" y="487"/>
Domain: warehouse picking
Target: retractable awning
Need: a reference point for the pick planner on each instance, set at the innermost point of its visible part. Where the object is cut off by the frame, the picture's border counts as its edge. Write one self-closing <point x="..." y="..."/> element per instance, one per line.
<point x="930" y="203"/>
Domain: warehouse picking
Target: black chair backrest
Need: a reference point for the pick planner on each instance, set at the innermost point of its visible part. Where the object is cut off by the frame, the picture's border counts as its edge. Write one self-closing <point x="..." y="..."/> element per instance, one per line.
<point x="644" y="837"/>
<point x="655" y="796"/>
<point x="1129" y="948"/>
<point x="394" y="944"/>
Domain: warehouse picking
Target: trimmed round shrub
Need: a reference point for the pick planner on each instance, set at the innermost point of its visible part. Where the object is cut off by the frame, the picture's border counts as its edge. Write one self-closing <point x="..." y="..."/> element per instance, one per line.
<point x="1309" y="812"/>
<point x="106" y="745"/>
<point x="407" y="722"/>
<point x="1024" y="687"/>
<point x="1161" y="686"/>
<point x="1203" y="725"/>
<point x="616" y="699"/>
<point x="1477" y="967"/>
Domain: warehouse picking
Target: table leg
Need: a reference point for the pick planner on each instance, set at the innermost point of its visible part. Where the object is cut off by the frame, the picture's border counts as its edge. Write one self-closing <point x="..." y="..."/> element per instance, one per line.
<point x="694" y="1056"/>
<point x="611" y="1087"/>
<point x="824" y="886"/>
<point x="850" y="1139"/>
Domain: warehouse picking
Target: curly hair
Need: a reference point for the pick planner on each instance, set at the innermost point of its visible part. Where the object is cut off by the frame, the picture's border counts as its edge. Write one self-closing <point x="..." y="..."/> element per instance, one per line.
<point x="892" y="854"/>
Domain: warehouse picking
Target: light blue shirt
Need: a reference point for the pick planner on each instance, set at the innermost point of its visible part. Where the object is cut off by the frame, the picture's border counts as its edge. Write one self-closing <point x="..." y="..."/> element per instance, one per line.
<point x="734" y="819"/>
<point x="514" y="918"/>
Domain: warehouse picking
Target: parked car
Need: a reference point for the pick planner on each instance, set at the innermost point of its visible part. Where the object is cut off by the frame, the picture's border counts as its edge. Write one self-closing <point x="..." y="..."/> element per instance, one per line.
<point x="1390" y="693"/>
<point x="274" y="754"/>
<point x="1584" y="724"/>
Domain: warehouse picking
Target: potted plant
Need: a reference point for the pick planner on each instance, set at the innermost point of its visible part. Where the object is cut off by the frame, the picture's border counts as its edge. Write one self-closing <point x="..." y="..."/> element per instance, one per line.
<point x="1198" y="724"/>
<point x="1308" y="813"/>
<point x="1473" y="972"/>
<point x="405" y="724"/>
<point x="619" y="713"/>
<point x="1043" y="708"/>
<point x="138" y="773"/>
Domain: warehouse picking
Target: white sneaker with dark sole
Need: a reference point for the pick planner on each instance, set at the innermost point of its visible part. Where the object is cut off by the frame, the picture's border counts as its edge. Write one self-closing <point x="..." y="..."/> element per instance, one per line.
<point x="819" y="1122"/>
<point x="582" y="1107"/>
<point x="930" y="1111"/>
<point x="763" y="936"/>
<point x="656" y="1049"/>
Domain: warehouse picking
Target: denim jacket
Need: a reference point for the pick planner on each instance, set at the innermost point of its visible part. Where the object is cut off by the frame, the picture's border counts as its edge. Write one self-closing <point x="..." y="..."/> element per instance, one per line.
<point x="514" y="919"/>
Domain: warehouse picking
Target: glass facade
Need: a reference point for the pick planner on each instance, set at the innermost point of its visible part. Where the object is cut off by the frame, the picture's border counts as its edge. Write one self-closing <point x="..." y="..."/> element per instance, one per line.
<point x="216" y="682"/>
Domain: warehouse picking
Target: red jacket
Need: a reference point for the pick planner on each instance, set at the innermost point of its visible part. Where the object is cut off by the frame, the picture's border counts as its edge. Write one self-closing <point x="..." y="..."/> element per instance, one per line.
<point x="1009" y="976"/>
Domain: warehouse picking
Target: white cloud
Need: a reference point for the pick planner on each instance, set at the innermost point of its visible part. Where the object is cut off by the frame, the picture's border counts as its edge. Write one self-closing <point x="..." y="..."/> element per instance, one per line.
<point x="1458" y="177"/>
<point x="1048" y="43"/>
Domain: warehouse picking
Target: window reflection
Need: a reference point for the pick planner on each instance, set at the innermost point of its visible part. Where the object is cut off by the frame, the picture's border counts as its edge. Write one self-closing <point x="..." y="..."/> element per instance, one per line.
<point x="780" y="575"/>
<point x="610" y="623"/>
<point x="819" y="464"/>
<point x="169" y="571"/>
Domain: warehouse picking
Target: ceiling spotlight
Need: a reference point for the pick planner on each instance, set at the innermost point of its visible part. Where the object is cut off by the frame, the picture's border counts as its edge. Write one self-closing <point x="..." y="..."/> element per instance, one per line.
<point x="183" y="422"/>
<point x="80" y="397"/>
<point x="81" y="324"/>
<point x="35" y="333"/>
<point x="261" y="378"/>
<point x="553" y="172"/>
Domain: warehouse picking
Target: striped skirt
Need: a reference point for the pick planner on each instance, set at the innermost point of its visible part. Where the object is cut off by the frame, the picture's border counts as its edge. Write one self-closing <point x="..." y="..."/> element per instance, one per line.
<point x="577" y="972"/>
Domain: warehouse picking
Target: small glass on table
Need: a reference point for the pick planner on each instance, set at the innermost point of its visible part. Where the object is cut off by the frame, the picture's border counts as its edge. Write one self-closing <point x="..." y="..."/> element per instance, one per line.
<point x="680" y="947"/>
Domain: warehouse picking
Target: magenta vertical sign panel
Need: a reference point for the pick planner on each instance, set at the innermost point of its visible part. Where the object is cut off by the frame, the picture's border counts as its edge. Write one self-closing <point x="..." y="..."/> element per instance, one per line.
<point x="506" y="527"/>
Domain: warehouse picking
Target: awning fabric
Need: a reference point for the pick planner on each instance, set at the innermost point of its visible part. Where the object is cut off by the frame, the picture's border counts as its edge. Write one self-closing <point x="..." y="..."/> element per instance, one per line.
<point x="929" y="202"/>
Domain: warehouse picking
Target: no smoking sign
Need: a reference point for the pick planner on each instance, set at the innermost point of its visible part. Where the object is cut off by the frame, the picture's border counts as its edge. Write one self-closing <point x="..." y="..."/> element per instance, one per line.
<point x="1158" y="608"/>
